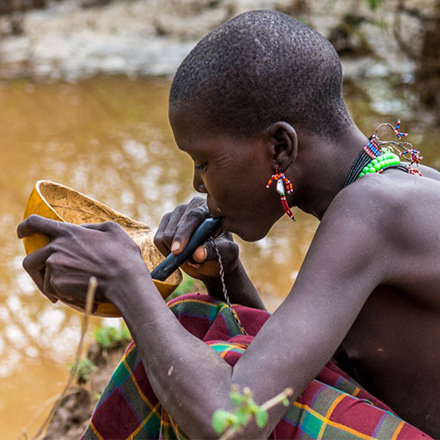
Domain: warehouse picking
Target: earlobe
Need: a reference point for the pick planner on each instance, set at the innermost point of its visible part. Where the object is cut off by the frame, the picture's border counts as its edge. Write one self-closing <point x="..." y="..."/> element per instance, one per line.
<point x="284" y="143"/>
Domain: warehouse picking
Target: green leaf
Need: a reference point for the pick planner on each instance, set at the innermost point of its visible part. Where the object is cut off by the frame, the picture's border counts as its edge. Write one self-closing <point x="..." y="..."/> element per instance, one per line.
<point x="242" y="417"/>
<point x="253" y="408"/>
<point x="236" y="398"/>
<point x="108" y="337"/>
<point x="221" y="420"/>
<point x="261" y="418"/>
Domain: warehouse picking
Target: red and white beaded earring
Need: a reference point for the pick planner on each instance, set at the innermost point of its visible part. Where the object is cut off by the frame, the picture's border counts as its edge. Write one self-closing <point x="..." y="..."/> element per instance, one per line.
<point x="284" y="185"/>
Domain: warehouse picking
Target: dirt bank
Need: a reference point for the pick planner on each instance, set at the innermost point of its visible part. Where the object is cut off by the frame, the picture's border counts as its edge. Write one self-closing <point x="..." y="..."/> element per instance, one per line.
<point x="73" y="414"/>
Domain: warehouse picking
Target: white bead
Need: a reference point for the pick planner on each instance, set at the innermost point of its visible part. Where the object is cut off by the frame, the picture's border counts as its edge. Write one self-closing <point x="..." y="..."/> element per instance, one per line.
<point x="280" y="187"/>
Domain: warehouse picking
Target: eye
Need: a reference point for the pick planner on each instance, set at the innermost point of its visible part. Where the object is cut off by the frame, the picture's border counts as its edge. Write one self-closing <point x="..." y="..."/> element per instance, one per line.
<point x="202" y="167"/>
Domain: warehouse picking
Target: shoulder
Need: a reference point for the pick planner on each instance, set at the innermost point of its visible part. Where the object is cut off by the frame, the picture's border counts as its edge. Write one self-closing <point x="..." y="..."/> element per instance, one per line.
<point x="392" y="212"/>
<point x="369" y="220"/>
<point x="370" y="200"/>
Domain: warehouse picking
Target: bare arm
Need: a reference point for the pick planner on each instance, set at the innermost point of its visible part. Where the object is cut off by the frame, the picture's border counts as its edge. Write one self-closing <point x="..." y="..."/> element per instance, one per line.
<point x="290" y="350"/>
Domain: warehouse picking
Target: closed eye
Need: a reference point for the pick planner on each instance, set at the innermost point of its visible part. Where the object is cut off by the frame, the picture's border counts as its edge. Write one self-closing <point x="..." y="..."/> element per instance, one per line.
<point x="202" y="167"/>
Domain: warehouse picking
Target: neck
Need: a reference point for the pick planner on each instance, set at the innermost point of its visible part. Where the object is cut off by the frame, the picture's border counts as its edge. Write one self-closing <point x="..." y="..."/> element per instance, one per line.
<point x="322" y="167"/>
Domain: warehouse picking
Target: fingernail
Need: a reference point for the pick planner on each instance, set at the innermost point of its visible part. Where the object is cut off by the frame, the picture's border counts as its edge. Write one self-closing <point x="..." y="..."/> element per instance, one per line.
<point x="175" y="246"/>
<point x="200" y="254"/>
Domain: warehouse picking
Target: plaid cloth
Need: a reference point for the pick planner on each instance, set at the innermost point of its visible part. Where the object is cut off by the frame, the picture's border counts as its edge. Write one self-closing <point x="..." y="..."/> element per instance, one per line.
<point x="334" y="406"/>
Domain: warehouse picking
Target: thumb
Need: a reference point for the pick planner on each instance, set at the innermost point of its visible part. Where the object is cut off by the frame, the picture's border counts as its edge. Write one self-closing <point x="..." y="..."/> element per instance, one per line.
<point x="200" y="254"/>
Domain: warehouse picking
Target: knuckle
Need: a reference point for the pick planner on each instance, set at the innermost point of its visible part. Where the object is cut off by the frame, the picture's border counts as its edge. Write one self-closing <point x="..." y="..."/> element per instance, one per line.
<point x="199" y="212"/>
<point x="197" y="201"/>
<point x="157" y="239"/>
<point x="211" y="253"/>
<point x="178" y="211"/>
<point x="33" y="219"/>
<point x="50" y="262"/>
<point x="109" y="225"/>
<point x="166" y="218"/>
<point x="232" y="250"/>
<point x="112" y="227"/>
<point x="168" y="236"/>
<point x="27" y="265"/>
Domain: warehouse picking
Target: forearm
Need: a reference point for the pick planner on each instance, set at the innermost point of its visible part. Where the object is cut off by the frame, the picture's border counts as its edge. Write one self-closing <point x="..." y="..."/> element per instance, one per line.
<point x="239" y="287"/>
<point x="174" y="360"/>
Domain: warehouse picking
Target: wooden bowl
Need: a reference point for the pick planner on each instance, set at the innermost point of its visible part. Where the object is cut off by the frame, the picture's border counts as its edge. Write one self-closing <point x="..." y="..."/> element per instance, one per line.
<point x="58" y="202"/>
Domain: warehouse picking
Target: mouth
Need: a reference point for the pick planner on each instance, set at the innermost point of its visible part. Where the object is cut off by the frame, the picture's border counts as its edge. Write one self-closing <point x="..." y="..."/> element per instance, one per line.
<point x="221" y="228"/>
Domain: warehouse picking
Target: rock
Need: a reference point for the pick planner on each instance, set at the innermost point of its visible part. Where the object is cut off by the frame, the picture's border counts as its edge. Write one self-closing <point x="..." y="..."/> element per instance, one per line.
<point x="71" y="418"/>
<point x="191" y="19"/>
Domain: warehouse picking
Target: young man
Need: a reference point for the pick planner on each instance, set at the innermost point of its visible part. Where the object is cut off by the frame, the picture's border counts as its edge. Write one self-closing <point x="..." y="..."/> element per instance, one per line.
<point x="258" y="97"/>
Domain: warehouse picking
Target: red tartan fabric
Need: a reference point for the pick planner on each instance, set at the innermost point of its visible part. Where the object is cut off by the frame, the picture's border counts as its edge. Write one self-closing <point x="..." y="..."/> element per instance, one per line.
<point x="332" y="407"/>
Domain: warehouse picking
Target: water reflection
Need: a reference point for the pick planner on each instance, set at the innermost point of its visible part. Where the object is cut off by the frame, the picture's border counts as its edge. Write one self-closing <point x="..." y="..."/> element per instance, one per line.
<point x="110" y="139"/>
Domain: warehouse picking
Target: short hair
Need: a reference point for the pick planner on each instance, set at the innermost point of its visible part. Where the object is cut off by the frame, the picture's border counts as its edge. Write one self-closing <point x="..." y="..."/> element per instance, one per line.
<point x="259" y="68"/>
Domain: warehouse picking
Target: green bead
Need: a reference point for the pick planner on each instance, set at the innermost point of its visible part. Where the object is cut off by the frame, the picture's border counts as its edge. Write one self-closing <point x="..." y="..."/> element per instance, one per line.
<point x="377" y="167"/>
<point x="365" y="170"/>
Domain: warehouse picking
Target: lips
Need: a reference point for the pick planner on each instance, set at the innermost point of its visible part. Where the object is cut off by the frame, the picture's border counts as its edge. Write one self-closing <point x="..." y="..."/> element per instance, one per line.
<point x="213" y="209"/>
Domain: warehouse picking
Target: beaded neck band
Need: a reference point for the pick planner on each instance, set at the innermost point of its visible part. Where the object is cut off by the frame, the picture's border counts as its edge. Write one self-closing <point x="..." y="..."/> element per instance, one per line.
<point x="378" y="155"/>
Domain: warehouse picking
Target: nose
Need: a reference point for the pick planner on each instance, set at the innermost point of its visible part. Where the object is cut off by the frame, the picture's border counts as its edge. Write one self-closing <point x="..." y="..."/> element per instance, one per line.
<point x="198" y="184"/>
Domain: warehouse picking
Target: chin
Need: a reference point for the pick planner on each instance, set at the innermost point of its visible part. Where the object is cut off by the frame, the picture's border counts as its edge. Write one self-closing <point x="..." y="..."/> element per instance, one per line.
<point x="246" y="233"/>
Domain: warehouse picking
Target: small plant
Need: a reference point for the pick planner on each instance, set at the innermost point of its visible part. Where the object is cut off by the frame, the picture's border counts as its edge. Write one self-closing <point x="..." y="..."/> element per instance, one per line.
<point x="373" y="4"/>
<point x="110" y="337"/>
<point x="85" y="368"/>
<point x="245" y="409"/>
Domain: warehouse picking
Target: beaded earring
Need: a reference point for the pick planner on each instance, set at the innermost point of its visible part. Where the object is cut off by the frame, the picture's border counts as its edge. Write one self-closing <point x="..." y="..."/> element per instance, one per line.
<point x="283" y="185"/>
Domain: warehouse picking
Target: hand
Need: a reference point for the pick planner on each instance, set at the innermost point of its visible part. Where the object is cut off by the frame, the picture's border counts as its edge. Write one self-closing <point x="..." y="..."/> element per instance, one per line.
<point x="175" y="231"/>
<point x="62" y="269"/>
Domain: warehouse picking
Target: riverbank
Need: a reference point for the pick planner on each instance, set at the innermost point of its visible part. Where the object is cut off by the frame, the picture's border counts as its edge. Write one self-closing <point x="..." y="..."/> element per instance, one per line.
<point x="69" y="41"/>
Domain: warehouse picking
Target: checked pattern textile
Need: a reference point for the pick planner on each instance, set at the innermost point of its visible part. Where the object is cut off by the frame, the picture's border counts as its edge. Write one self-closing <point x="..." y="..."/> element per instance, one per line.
<point x="332" y="407"/>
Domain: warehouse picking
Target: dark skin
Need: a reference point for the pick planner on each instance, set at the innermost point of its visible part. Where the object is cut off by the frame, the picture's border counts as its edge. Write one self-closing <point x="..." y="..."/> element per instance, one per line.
<point x="371" y="277"/>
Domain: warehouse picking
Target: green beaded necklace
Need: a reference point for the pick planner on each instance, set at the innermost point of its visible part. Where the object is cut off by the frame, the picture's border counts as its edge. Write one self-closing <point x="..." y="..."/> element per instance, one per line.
<point x="384" y="160"/>
<point x="375" y="158"/>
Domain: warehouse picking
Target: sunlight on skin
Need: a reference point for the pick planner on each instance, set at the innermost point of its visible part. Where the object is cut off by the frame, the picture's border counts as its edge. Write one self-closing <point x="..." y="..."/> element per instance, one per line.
<point x="109" y="138"/>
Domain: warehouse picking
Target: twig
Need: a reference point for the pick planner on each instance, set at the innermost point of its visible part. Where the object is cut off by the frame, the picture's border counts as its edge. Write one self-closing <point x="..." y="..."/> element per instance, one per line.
<point x="84" y="325"/>
<point x="279" y="398"/>
<point x="288" y="392"/>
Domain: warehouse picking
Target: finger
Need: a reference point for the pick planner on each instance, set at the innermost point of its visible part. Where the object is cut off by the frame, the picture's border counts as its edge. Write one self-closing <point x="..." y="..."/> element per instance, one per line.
<point x="35" y="266"/>
<point x="227" y="248"/>
<point x="187" y="225"/>
<point x="159" y="239"/>
<point x="37" y="224"/>
<point x="169" y="230"/>
<point x="94" y="226"/>
<point x="201" y="254"/>
<point x="48" y="289"/>
<point x="103" y="227"/>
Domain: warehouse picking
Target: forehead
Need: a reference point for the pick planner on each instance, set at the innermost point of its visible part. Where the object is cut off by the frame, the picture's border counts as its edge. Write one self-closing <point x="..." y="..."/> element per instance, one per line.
<point x="206" y="143"/>
<point x="191" y="130"/>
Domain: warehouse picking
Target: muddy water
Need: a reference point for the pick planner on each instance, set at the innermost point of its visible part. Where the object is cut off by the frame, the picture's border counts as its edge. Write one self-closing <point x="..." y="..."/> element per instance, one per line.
<point x="110" y="139"/>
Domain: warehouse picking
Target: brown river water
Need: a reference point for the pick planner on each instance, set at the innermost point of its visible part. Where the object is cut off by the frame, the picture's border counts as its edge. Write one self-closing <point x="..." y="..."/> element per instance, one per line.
<point x="110" y="138"/>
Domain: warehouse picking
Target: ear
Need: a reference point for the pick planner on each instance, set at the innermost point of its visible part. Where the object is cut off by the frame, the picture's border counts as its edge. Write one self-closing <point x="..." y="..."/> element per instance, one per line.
<point x="283" y="143"/>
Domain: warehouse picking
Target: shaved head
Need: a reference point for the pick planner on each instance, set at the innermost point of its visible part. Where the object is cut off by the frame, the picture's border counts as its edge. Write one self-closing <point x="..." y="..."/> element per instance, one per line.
<point x="259" y="68"/>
